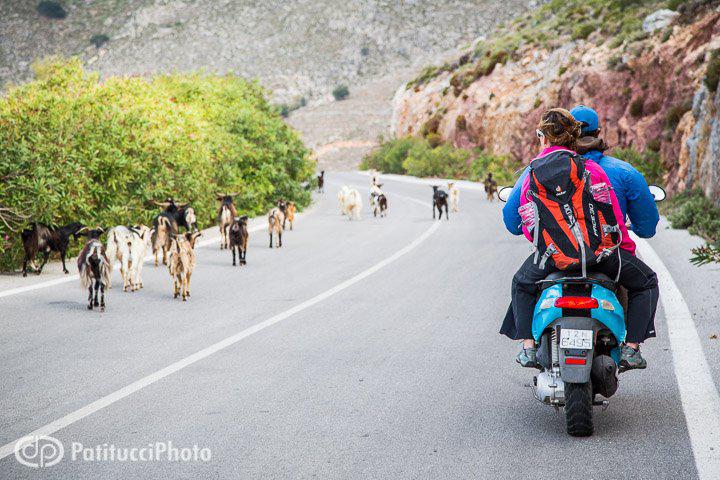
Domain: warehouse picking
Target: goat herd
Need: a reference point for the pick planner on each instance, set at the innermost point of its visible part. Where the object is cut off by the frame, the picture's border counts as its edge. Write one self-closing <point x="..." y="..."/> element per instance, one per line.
<point x="128" y="245"/>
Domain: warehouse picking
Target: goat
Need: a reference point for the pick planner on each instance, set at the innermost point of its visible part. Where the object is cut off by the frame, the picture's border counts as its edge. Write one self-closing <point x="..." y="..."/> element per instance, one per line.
<point x="182" y="262"/>
<point x="380" y="205"/>
<point x="45" y="239"/>
<point x="164" y="225"/>
<point x="128" y="245"/>
<point x="290" y="214"/>
<point x="182" y="213"/>
<point x="239" y="239"/>
<point x="276" y="218"/>
<point x="490" y="186"/>
<point x="226" y="216"/>
<point x="440" y="200"/>
<point x="94" y="268"/>
<point x="321" y="182"/>
<point x="454" y="197"/>
<point x="342" y="199"/>
<point x="353" y="204"/>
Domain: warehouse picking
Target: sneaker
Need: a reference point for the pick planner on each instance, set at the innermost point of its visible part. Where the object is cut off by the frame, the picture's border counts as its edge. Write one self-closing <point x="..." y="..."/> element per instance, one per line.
<point x="527" y="357"/>
<point x="631" y="358"/>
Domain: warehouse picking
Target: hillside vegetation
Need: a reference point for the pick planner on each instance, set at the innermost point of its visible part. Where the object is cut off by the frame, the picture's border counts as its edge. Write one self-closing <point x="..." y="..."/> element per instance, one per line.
<point x="76" y="149"/>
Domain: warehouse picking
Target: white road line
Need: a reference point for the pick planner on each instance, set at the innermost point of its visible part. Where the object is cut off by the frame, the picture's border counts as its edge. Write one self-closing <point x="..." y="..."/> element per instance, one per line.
<point x="111" y="398"/>
<point x="698" y="393"/>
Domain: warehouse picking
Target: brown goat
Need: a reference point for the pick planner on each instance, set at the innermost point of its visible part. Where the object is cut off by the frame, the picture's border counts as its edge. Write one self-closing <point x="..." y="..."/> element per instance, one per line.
<point x="239" y="239"/>
<point x="95" y="269"/>
<point x="164" y="226"/>
<point x="276" y="219"/>
<point x="290" y="214"/>
<point x="490" y="187"/>
<point x="182" y="262"/>
<point x="225" y="217"/>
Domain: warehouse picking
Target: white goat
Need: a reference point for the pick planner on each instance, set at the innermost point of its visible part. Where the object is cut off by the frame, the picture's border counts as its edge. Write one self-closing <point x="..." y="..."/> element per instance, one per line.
<point x="128" y="245"/>
<point x="454" y="197"/>
<point x="353" y="204"/>
<point x="342" y="199"/>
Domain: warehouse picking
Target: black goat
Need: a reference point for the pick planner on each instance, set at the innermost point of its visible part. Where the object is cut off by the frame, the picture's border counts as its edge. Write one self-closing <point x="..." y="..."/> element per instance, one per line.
<point x="440" y="200"/>
<point x="321" y="182"/>
<point x="182" y="213"/>
<point x="239" y="238"/>
<point x="94" y="268"/>
<point x="46" y="239"/>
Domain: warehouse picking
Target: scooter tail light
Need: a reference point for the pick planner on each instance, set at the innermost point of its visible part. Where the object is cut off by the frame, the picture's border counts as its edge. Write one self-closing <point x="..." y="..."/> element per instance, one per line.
<point x="579" y="303"/>
<point x="575" y="361"/>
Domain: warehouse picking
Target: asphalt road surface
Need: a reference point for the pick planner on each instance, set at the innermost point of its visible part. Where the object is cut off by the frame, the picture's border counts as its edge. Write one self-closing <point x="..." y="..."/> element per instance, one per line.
<point x="361" y="349"/>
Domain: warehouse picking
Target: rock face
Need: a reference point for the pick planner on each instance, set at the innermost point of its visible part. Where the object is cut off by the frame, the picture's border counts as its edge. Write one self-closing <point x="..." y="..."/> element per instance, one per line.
<point x="298" y="48"/>
<point x="659" y="19"/>
<point x="655" y="99"/>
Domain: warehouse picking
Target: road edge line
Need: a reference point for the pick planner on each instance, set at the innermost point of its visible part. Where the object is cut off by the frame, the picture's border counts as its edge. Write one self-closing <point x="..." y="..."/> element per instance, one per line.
<point x="698" y="392"/>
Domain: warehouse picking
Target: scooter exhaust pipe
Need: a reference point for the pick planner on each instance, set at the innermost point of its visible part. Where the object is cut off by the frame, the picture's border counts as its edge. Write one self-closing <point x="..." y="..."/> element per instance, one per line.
<point x="604" y="374"/>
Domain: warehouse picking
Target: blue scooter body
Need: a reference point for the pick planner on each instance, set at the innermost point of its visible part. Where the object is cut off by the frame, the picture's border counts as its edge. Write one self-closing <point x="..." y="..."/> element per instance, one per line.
<point x="609" y="313"/>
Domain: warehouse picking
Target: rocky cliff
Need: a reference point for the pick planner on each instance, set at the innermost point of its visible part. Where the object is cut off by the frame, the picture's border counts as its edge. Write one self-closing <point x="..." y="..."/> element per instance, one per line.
<point x="298" y="48"/>
<point x="650" y="88"/>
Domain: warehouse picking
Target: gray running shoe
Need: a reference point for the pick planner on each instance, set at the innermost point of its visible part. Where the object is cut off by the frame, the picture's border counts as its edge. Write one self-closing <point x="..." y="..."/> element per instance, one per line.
<point x="527" y="357"/>
<point x="631" y="358"/>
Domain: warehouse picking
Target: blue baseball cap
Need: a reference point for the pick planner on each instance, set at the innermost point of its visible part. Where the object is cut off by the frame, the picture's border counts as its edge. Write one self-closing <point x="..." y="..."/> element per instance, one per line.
<point x="587" y="116"/>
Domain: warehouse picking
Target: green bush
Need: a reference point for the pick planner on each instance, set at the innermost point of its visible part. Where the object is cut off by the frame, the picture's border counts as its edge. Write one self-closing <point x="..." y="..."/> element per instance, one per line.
<point x="694" y="211"/>
<point x="75" y="149"/>
<point x="636" y="107"/>
<point x="341" y="92"/>
<point x="99" y="40"/>
<point x="583" y="31"/>
<point x="675" y="114"/>
<point x="712" y="77"/>
<point x="418" y="157"/>
<point x="52" y="10"/>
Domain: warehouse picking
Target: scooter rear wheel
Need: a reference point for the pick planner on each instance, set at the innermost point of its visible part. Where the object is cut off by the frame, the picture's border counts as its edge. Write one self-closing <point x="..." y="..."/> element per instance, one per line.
<point x="578" y="409"/>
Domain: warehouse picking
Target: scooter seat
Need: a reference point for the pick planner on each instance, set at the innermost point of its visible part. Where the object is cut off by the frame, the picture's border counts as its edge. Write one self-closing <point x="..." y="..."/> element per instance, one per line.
<point x="572" y="277"/>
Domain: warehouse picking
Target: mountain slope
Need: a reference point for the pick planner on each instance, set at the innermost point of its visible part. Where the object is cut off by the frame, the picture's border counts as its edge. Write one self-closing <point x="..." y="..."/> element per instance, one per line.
<point x="297" y="48"/>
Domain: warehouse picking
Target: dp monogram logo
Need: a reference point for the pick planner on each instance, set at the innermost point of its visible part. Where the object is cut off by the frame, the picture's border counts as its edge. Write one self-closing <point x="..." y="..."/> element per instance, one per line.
<point x="39" y="451"/>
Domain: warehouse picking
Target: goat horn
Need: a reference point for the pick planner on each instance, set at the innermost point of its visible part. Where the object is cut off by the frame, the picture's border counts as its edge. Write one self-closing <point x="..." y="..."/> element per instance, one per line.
<point x="81" y="230"/>
<point x="161" y="204"/>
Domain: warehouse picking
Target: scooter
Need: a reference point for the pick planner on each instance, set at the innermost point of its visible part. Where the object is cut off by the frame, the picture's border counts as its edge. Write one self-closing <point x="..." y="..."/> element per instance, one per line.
<point x="579" y="325"/>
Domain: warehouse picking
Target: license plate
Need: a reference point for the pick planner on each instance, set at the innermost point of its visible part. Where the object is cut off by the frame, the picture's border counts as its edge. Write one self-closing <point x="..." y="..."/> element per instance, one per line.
<point x="572" y="338"/>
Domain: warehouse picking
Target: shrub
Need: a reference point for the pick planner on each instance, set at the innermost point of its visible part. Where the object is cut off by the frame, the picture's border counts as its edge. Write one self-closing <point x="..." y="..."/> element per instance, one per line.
<point x="583" y="31"/>
<point x="675" y="114"/>
<point x="418" y="156"/>
<point x="712" y="77"/>
<point x="654" y="145"/>
<point x="460" y="123"/>
<point x="694" y="211"/>
<point x="636" y="108"/>
<point x="49" y="9"/>
<point x="72" y="148"/>
<point x="341" y="92"/>
<point x="647" y="162"/>
<point x="99" y="40"/>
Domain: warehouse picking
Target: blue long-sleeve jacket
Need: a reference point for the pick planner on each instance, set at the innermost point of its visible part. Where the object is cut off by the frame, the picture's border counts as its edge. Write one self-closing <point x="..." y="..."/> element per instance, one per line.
<point x="636" y="201"/>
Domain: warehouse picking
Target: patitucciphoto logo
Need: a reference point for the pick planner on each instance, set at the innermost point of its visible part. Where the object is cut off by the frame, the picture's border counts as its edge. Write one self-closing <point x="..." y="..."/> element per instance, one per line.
<point x="39" y="451"/>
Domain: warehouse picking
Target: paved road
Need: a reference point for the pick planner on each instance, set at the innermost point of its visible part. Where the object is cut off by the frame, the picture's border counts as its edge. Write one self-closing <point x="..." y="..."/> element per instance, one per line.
<point x="375" y="355"/>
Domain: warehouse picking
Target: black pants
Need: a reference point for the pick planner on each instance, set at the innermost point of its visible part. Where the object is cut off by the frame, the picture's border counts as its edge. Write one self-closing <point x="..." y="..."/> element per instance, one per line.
<point x="639" y="280"/>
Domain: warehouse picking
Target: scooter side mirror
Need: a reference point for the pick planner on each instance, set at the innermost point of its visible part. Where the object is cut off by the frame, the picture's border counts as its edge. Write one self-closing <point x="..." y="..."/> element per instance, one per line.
<point x="504" y="193"/>
<point x="658" y="193"/>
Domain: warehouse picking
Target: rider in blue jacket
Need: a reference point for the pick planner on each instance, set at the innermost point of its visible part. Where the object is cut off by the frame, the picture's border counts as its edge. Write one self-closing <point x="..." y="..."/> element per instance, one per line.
<point x="636" y="201"/>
